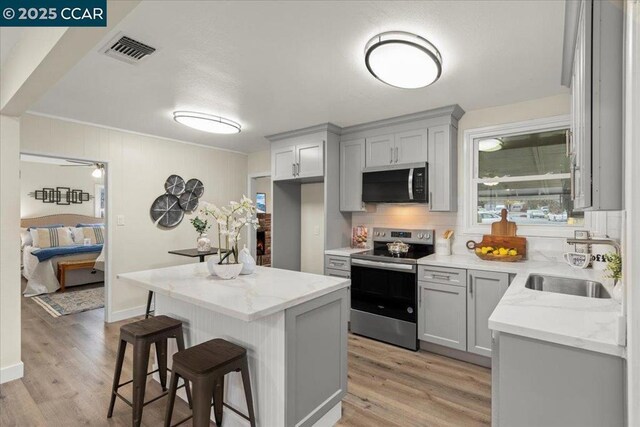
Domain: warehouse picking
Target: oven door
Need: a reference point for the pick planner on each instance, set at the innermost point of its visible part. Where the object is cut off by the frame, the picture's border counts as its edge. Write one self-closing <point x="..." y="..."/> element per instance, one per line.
<point x="385" y="289"/>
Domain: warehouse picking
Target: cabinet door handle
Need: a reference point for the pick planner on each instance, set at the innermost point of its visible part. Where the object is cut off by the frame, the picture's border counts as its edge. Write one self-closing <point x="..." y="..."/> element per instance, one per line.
<point x="430" y="200"/>
<point x="396" y="154"/>
<point x="391" y="155"/>
<point x="441" y="277"/>
<point x="567" y="139"/>
<point x="293" y="169"/>
<point x="572" y="179"/>
<point x="419" y="296"/>
<point x="297" y="169"/>
<point x="471" y="285"/>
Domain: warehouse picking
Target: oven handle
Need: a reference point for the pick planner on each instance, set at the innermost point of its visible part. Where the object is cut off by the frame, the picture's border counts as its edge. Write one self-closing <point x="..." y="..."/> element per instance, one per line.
<point x="383" y="265"/>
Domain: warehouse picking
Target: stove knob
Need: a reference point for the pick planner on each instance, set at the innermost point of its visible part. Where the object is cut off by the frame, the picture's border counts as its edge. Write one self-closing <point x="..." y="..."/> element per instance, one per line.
<point x="427" y="235"/>
<point x="420" y="236"/>
<point x="383" y="234"/>
<point x="377" y="233"/>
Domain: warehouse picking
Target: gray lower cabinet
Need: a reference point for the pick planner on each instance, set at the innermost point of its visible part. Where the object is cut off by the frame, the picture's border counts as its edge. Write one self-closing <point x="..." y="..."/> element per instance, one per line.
<point x="352" y="161"/>
<point x="442" y="314"/>
<point x="537" y="383"/>
<point x="316" y="357"/>
<point x="484" y="291"/>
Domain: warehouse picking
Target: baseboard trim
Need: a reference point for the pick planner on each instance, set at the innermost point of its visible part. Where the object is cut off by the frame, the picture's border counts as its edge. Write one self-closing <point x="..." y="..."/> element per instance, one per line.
<point x="116" y="316"/>
<point x="10" y="373"/>
<point x="476" y="359"/>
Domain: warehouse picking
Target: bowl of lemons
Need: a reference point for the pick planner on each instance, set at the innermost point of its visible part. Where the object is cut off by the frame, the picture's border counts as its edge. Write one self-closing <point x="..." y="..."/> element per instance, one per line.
<point x="491" y="253"/>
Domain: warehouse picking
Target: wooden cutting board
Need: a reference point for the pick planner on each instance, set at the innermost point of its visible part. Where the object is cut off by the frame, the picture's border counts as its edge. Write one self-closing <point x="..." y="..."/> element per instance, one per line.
<point x="504" y="227"/>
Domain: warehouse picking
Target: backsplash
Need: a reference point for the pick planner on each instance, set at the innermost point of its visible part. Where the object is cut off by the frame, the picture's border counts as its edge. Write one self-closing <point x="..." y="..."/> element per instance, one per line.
<point x="538" y="248"/>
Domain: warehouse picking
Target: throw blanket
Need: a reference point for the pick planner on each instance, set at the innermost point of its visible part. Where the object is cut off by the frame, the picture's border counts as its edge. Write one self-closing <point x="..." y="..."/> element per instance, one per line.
<point x="48" y="253"/>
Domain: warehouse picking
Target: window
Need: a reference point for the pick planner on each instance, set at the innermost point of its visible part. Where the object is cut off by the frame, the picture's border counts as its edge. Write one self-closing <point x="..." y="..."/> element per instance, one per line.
<point x="524" y="169"/>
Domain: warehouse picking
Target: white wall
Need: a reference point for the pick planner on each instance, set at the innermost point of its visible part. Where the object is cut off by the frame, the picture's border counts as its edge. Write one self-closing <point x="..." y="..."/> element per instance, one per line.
<point x="418" y="216"/>
<point x="137" y="169"/>
<point x="312" y="228"/>
<point x="10" y="364"/>
<point x="259" y="161"/>
<point x="35" y="176"/>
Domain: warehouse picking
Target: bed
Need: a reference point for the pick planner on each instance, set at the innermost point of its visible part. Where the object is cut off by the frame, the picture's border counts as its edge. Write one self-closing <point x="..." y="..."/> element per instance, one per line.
<point x="40" y="266"/>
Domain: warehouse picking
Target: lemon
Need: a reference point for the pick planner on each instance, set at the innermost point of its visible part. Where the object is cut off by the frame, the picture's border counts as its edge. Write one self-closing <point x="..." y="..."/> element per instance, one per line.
<point x="485" y="250"/>
<point x="503" y="251"/>
<point x="513" y="252"/>
<point x="478" y="250"/>
<point x="496" y="252"/>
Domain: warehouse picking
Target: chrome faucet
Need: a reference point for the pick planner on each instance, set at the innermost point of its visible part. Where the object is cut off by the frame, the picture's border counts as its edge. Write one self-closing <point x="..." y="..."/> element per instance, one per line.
<point x="610" y="242"/>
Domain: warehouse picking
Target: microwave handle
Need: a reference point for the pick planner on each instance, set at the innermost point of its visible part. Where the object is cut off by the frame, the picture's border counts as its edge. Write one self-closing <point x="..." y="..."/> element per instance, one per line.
<point x="410" y="185"/>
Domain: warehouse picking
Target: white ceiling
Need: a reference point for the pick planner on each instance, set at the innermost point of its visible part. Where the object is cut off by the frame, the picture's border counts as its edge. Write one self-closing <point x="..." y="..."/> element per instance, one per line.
<point x="277" y="66"/>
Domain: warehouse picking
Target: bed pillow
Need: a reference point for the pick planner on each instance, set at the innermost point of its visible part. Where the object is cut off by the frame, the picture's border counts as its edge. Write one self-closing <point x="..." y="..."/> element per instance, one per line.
<point x="77" y="235"/>
<point x="25" y="237"/>
<point x="94" y="234"/>
<point x="46" y="226"/>
<point x="54" y="237"/>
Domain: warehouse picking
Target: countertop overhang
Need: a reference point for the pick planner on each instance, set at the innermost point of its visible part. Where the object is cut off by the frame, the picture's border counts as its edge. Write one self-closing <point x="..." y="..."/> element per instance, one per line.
<point x="588" y="323"/>
<point x="248" y="297"/>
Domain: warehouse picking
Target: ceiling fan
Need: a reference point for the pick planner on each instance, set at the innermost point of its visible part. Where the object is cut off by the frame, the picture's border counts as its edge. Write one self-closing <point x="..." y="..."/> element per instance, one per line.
<point x="97" y="172"/>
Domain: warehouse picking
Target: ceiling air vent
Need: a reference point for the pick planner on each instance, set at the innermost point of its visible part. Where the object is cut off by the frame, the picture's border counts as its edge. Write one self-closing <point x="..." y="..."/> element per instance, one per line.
<point x="127" y="49"/>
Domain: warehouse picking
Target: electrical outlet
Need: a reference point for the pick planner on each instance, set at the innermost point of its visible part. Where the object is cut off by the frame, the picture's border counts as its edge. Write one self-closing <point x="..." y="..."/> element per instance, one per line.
<point x="120" y="219"/>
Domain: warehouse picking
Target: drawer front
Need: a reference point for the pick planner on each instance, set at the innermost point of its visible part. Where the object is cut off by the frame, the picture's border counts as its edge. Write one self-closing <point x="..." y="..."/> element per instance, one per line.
<point x="337" y="262"/>
<point x="444" y="275"/>
<point x="337" y="273"/>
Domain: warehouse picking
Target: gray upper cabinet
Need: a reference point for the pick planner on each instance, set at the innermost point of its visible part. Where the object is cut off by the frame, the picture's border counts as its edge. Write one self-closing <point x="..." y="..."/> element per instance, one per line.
<point x="442" y="157"/>
<point x="593" y="67"/>
<point x="380" y="150"/>
<point x="297" y="160"/>
<point x="410" y="146"/>
<point x="310" y="159"/>
<point x="283" y="159"/>
<point x="484" y="291"/>
<point x="352" y="161"/>
<point x="442" y="314"/>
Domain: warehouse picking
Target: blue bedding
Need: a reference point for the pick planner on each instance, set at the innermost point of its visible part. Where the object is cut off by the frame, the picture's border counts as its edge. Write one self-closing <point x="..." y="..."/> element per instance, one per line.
<point x="48" y="253"/>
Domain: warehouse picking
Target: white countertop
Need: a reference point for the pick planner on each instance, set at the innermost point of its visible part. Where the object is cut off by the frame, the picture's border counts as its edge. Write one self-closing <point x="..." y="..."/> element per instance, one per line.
<point x="265" y="292"/>
<point x="345" y="251"/>
<point x="588" y="323"/>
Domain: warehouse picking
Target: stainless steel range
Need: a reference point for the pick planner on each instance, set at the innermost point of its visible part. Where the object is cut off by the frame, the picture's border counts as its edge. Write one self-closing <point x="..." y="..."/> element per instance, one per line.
<point x="384" y="288"/>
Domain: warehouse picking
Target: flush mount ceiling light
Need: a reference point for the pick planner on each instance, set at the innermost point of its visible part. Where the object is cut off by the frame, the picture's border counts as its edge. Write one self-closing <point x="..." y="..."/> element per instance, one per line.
<point x="206" y="122"/>
<point x="403" y="60"/>
<point x="489" y="145"/>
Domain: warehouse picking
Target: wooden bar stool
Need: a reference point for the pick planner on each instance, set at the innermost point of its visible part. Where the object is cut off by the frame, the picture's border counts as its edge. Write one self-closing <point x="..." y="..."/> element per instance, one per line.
<point x="141" y="334"/>
<point x="205" y="366"/>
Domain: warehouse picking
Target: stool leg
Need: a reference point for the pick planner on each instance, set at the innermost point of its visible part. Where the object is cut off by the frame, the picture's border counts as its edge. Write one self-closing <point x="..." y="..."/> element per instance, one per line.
<point x="202" y="388"/>
<point x="246" y="381"/>
<point x="218" y="398"/>
<point x="171" y="399"/>
<point x="122" y="348"/>
<point x="141" y="351"/>
<point x="161" y="356"/>
<point x="180" y="343"/>
<point x="149" y="299"/>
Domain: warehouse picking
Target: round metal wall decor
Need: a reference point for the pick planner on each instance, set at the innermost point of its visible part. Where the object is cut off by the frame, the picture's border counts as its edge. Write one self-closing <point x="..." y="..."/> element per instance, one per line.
<point x="166" y="211"/>
<point x="188" y="201"/>
<point x="174" y="185"/>
<point x="196" y="186"/>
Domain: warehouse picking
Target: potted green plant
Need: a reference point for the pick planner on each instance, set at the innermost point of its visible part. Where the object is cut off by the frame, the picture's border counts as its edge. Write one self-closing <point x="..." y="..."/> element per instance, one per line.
<point x="203" y="242"/>
<point x="614" y="271"/>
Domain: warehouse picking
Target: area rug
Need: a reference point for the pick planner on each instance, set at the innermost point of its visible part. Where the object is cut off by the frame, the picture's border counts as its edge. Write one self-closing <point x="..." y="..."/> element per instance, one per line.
<point x="70" y="302"/>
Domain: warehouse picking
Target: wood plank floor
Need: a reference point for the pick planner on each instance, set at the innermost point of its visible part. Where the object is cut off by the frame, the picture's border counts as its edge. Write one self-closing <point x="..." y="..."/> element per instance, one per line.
<point x="69" y="364"/>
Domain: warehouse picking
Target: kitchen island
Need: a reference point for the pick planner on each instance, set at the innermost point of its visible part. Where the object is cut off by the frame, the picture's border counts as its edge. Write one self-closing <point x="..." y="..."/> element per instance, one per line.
<point x="293" y="325"/>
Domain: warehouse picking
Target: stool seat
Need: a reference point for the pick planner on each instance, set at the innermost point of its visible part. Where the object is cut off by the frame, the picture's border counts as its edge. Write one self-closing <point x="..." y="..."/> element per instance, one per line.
<point x="151" y="326"/>
<point x="208" y="356"/>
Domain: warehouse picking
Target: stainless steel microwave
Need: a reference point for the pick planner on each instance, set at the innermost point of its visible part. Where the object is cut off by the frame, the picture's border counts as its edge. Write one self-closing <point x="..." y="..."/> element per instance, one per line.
<point x="398" y="184"/>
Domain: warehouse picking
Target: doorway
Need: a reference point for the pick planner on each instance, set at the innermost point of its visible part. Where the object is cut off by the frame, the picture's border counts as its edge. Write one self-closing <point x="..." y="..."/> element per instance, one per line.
<point x="64" y="234"/>
<point x="259" y="190"/>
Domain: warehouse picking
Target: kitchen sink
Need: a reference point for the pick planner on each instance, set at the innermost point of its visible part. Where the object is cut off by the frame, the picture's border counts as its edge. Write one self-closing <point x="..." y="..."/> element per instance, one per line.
<point x="563" y="285"/>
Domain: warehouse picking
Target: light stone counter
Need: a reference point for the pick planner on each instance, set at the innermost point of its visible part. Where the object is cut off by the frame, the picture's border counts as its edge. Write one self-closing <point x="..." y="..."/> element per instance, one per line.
<point x="267" y="291"/>
<point x="587" y="323"/>
<point x="345" y="251"/>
